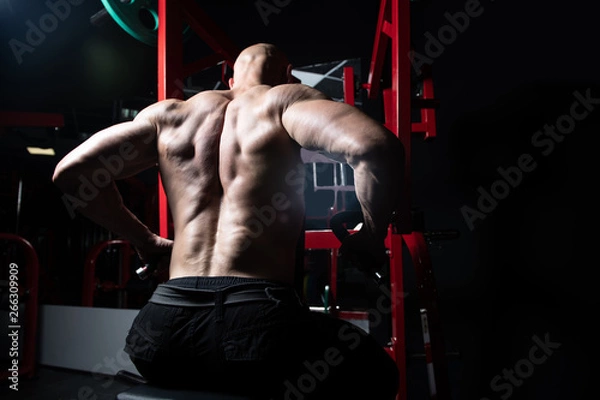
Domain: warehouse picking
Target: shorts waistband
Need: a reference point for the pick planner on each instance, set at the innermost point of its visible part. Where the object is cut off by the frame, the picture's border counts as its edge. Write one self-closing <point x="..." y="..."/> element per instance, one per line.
<point x="242" y="290"/>
<point x="217" y="282"/>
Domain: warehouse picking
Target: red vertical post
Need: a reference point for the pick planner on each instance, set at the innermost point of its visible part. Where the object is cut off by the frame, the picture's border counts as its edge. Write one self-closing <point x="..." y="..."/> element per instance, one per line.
<point x="401" y="87"/>
<point x="349" y="85"/>
<point x="428" y="114"/>
<point x="379" y="50"/>
<point x="170" y="79"/>
<point x="428" y="297"/>
<point x="333" y="278"/>
<point x="398" y="348"/>
<point x="401" y="92"/>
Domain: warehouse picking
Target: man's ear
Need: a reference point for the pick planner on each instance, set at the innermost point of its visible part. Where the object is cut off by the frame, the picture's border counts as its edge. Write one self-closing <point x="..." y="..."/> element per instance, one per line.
<point x="230" y="82"/>
<point x="291" y="78"/>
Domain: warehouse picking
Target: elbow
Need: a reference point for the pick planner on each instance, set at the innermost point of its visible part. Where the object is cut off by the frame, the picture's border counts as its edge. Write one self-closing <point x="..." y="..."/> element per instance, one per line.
<point x="388" y="151"/>
<point x="58" y="174"/>
<point x="59" y="177"/>
<point x="63" y="176"/>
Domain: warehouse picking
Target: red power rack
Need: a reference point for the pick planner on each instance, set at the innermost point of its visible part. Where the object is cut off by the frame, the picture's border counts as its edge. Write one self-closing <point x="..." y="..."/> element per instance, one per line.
<point x="393" y="34"/>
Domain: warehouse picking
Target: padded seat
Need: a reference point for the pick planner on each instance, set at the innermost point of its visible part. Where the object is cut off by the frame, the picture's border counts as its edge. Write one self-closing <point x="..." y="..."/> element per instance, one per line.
<point x="147" y="392"/>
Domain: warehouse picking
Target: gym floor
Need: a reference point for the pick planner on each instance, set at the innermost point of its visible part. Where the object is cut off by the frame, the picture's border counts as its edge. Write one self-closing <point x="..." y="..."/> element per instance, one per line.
<point x="51" y="383"/>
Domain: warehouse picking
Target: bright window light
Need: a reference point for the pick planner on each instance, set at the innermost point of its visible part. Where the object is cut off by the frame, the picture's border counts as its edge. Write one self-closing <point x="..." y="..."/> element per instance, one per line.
<point x="38" y="151"/>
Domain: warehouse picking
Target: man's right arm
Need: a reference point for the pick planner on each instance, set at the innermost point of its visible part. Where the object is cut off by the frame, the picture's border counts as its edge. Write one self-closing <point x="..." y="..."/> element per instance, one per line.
<point x="348" y="135"/>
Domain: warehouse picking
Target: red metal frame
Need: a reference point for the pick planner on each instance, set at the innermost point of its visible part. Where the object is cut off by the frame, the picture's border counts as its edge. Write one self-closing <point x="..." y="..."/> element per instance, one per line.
<point x="32" y="266"/>
<point x="418" y="249"/>
<point x="89" y="272"/>
<point x="428" y="354"/>
<point x="31" y="119"/>
<point x="349" y="85"/>
<point x="393" y="32"/>
<point x="427" y="125"/>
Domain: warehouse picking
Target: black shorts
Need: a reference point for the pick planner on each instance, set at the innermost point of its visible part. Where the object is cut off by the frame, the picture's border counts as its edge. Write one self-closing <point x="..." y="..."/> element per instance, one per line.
<point x="253" y="336"/>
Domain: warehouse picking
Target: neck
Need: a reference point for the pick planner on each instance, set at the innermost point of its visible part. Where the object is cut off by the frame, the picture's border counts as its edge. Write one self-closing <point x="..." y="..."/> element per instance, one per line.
<point x="245" y="86"/>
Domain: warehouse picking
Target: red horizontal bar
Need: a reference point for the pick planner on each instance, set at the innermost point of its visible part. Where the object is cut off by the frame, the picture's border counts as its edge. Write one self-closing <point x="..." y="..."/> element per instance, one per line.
<point x="323" y="239"/>
<point x="361" y="315"/>
<point x="419" y="127"/>
<point x="26" y="119"/>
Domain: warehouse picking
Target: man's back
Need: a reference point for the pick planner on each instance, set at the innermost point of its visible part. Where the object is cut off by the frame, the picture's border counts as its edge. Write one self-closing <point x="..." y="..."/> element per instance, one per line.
<point x="234" y="182"/>
<point x="231" y="167"/>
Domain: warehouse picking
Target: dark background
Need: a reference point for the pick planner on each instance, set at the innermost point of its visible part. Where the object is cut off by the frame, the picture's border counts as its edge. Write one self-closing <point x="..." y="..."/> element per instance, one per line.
<point x="524" y="270"/>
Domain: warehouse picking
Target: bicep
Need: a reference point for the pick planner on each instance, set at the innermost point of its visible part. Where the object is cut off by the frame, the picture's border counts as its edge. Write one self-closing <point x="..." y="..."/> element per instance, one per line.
<point x="336" y="128"/>
<point x="118" y="152"/>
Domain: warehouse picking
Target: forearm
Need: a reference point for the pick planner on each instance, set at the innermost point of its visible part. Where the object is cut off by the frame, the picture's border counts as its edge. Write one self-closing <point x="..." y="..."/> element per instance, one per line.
<point x="87" y="175"/>
<point x="106" y="208"/>
<point x="378" y="185"/>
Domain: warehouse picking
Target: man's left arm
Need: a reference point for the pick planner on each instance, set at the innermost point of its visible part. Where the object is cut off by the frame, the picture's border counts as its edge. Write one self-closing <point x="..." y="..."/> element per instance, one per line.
<point x="88" y="173"/>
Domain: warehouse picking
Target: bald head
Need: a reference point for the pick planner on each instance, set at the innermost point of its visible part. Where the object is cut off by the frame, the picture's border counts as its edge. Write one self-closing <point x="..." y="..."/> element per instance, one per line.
<point x="260" y="64"/>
